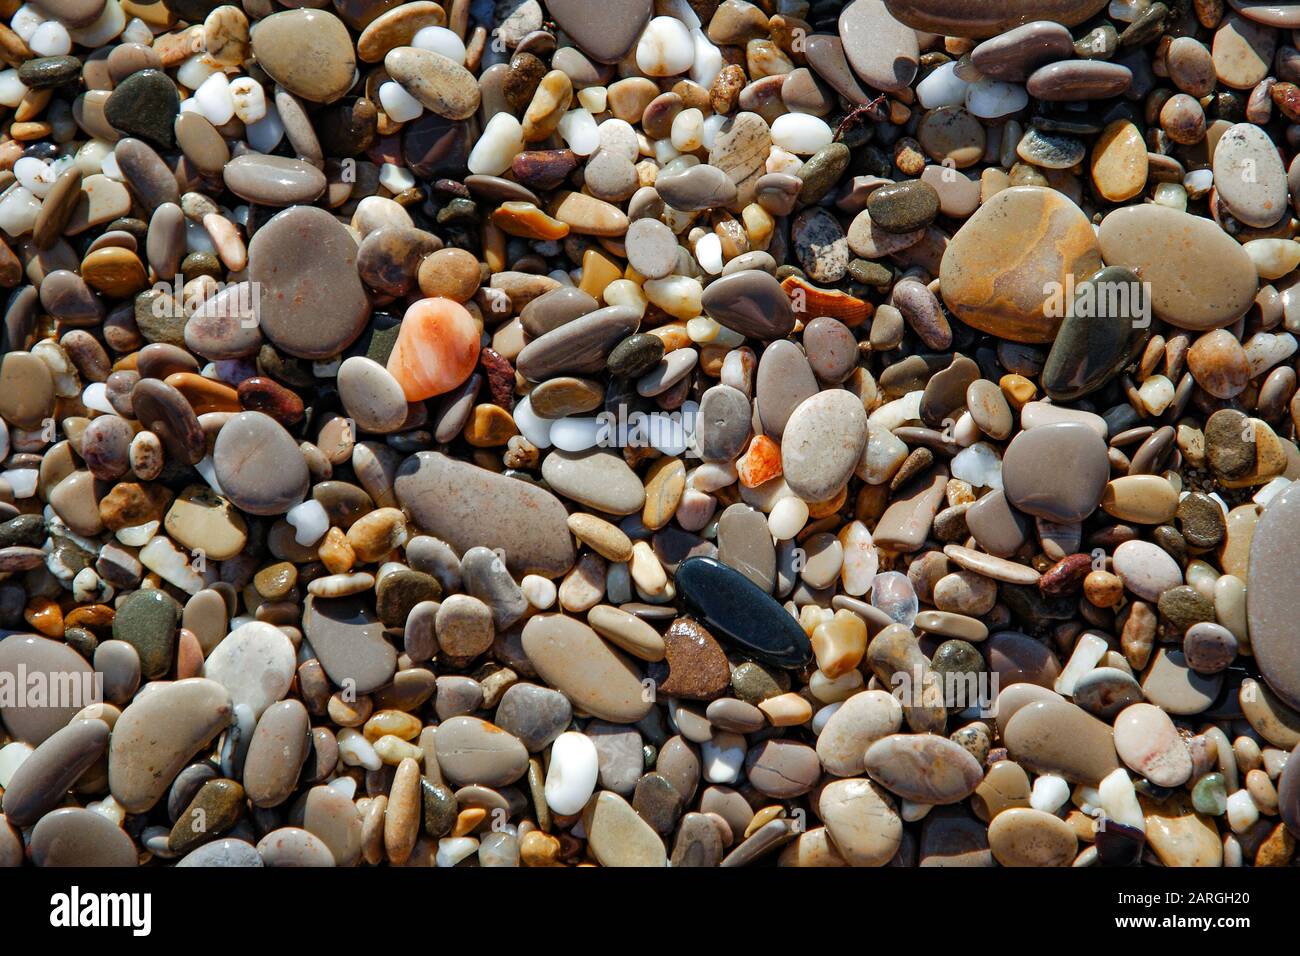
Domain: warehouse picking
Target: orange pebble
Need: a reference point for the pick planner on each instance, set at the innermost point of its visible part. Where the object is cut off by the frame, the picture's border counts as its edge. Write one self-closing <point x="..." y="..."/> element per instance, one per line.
<point x="437" y="348"/>
<point x="46" y="616"/>
<point x="189" y="655"/>
<point x="762" y="462"/>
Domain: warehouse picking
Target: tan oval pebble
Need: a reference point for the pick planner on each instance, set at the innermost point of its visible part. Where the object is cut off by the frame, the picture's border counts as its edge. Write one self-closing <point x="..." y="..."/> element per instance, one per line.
<point x="924" y="768"/>
<point x="862" y="821"/>
<point x="856" y="724"/>
<point x="627" y="631"/>
<point x="1145" y="499"/>
<point x="571" y="657"/>
<point x="1022" y="836"/>
<point x="1119" y="161"/>
<point x="1151" y="746"/>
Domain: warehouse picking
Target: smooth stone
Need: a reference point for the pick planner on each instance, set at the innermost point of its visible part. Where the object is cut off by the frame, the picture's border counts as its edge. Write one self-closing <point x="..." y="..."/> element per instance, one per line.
<point x="785" y="380"/>
<point x="1022" y="836"/>
<point x="822" y="443"/>
<point x="882" y="51"/>
<point x="857" y="723"/>
<point x="734" y="608"/>
<point x="333" y="818"/>
<point x="147" y="621"/>
<point x="1149" y="744"/>
<point x="534" y="714"/>
<point x="618" y="836"/>
<point x="580" y="346"/>
<point x="985" y="18"/>
<point x="73" y="837"/>
<point x="1000" y="269"/>
<point x="276" y="753"/>
<point x="907" y="521"/>
<point x="473" y="751"/>
<point x="258" y="465"/>
<point x="1013" y="55"/>
<point x="348" y="638"/>
<point x="467" y="506"/>
<point x="1249" y="178"/>
<point x="442" y="85"/>
<point x="311" y="307"/>
<point x="308" y="52"/>
<point x="1174" y="687"/>
<point x="723" y="428"/>
<point x="696" y="188"/>
<point x="157" y="735"/>
<point x="745" y="543"/>
<point x="596" y="479"/>
<point x="607" y="38"/>
<point x="740" y="149"/>
<point x="1034" y="483"/>
<point x="1274" y="580"/>
<point x="294" y="847"/>
<point x="1146" y="569"/>
<point x="820" y="245"/>
<point x="694" y="665"/>
<point x="26" y="659"/>
<point x="862" y="821"/>
<point x="273" y="180"/>
<point x="1120" y="166"/>
<point x="1053" y="736"/>
<point x="599" y="679"/>
<point x="26" y="389"/>
<point x="750" y="302"/>
<point x="1105" y="691"/>
<point x="924" y="768"/>
<point x="43" y="779"/>
<point x="1093" y="345"/>
<point x="1179" y="836"/>
<point x="1079" y="80"/>
<point x="145" y="104"/>
<point x="255" y="663"/>
<point x="1199" y="277"/>
<point x="228" y="852"/>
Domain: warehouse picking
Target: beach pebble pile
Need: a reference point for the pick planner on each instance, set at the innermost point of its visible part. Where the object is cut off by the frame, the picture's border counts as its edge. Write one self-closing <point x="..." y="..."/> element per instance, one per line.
<point x="649" y="433"/>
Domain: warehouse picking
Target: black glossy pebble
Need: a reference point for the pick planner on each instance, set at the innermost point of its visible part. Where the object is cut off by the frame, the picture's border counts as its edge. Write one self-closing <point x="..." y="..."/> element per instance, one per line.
<point x="734" y="608"/>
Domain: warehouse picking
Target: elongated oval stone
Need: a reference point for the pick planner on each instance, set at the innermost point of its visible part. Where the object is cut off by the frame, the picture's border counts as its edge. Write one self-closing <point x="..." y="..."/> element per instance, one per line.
<point x="822" y="444"/>
<point x="72" y="836"/>
<point x="596" y="677"/>
<point x="985" y="18"/>
<point x="734" y="608"/>
<point x="1002" y="268"/>
<point x="580" y="346"/>
<point x="1271" y="597"/>
<point x="926" y="768"/>
<point x="1199" y="276"/>
<point x="1054" y="736"/>
<point x="28" y="661"/>
<point x="43" y="779"/>
<point x="466" y="506"/>
<point x="750" y="302"/>
<point x="1103" y="327"/>
<point x="157" y="735"/>
<point x="348" y="639"/>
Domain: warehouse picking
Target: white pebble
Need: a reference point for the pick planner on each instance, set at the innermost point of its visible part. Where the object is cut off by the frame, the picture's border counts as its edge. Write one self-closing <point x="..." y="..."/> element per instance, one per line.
<point x="801" y="133"/>
<point x="501" y="142"/>
<point x="356" y="751"/>
<point x="531" y="425"/>
<point x="109" y="25"/>
<point x="979" y="464"/>
<point x="310" y="522"/>
<point x="708" y="253"/>
<point x="22" y="481"/>
<point x="215" y="101"/>
<point x="539" y="591"/>
<point x="51" y="39"/>
<point x="788" y="517"/>
<point x="266" y="133"/>
<point x="1157" y="394"/>
<point x="137" y="31"/>
<point x="722" y="757"/>
<point x="192" y="73"/>
<point x="712" y="123"/>
<point x="1198" y="182"/>
<point x="578" y="130"/>
<point x="11" y="758"/>
<point x="138" y="535"/>
<point x="440" y="40"/>
<point x="579" y="434"/>
<point x="942" y="88"/>
<point x="171" y="564"/>
<point x="688" y="131"/>
<point x="95" y="396"/>
<point x="400" y="105"/>
<point x="451" y="850"/>
<point x="571" y="777"/>
<point x="110" y="168"/>
<point x="1050" y="793"/>
<point x="593" y="98"/>
<point x="396" y="179"/>
<point x="249" y="98"/>
<point x="708" y="59"/>
<point x="1242" y="811"/>
<point x="18" y="211"/>
<point x="1087" y="655"/>
<point x="12" y="89"/>
<point x="35" y="175"/>
<point x="665" y="48"/>
<point x="990" y="99"/>
<point x="1118" y="799"/>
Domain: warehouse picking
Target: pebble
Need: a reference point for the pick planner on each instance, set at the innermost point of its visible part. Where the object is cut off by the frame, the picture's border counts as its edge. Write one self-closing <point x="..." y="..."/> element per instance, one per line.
<point x="596" y="677"/>
<point x="1149" y="744"/>
<point x="1034" y="487"/>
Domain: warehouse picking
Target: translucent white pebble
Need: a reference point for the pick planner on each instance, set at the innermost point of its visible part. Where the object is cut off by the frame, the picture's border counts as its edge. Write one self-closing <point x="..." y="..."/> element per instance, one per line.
<point x="25" y="21"/>
<point x="344" y="785"/>
<point x="579" y="434"/>
<point x="249" y="98"/>
<point x="833" y="690"/>
<point x="801" y="133"/>
<point x="1198" y="182"/>
<point x="137" y="535"/>
<point x="782" y="161"/>
<point x="12" y="89"/>
<point x="190" y="105"/>
<point x="578" y="130"/>
<point x="665" y="48"/>
<point x="672" y="434"/>
<point x="108" y="807"/>
<point x="990" y="99"/>
<point x="110" y="168"/>
<point x="396" y="179"/>
<point x="788" y="517"/>
<point x="22" y="481"/>
<point x="501" y="142"/>
<point x="688" y="131"/>
<point x="51" y="39"/>
<point x="109" y="25"/>
<point x="531" y="425"/>
<point x="194" y="71"/>
<point x="1117" y="799"/>
<point x="942" y="88"/>
<point x="1087" y="654"/>
<point x="35" y="175"/>
<point x="11" y="758"/>
<point x="722" y="757"/>
<point x="309" y="520"/>
<point x="1157" y="393"/>
<point x="440" y="40"/>
<point x="1050" y="793"/>
<point x="1270" y="491"/>
<point x="18" y="211"/>
<point x="900" y="411"/>
<point x="620" y="137"/>
<point x="1266" y="349"/>
<point x="171" y="564"/>
<point x="712" y="123"/>
<point x="356" y="751"/>
<point x="137" y="31"/>
<point x="1273" y="258"/>
<point x="1172" y="195"/>
<point x="707" y="59"/>
<point x="892" y="593"/>
<point x="1242" y="811"/>
<point x="626" y="292"/>
<point x="95" y="395"/>
<point x="593" y="98"/>
<point x="452" y="850"/>
<point x="539" y="591"/>
<point x="215" y="101"/>
<point x="266" y="133"/>
<point x="708" y="253"/>
<point x="979" y="464"/>
<point x="571" y="777"/>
